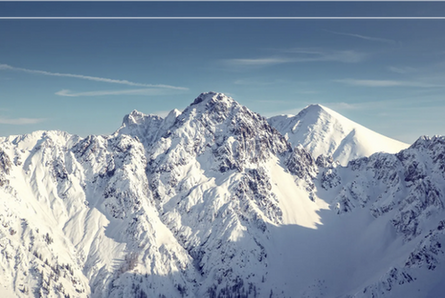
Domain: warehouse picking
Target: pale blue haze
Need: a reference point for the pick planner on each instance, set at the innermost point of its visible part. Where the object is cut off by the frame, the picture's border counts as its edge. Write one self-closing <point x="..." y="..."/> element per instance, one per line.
<point x="388" y="75"/>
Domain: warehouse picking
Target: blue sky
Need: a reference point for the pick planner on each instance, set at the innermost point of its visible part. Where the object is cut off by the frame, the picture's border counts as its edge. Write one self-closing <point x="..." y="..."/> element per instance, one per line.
<point x="84" y="75"/>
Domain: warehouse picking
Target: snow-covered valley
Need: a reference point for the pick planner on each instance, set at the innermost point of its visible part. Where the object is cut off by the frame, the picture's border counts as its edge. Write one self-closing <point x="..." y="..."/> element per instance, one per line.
<point x="218" y="201"/>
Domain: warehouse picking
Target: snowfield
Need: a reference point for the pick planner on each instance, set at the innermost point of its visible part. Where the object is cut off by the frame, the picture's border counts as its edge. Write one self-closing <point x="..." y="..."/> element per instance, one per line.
<point x="217" y="201"/>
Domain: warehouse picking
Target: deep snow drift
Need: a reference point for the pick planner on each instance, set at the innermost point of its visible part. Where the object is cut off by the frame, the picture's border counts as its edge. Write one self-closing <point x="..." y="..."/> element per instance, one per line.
<point x="214" y="202"/>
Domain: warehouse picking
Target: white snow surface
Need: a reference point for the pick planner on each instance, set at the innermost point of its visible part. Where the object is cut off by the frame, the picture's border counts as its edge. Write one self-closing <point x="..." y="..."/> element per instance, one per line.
<point x="214" y="202"/>
<point x="323" y="131"/>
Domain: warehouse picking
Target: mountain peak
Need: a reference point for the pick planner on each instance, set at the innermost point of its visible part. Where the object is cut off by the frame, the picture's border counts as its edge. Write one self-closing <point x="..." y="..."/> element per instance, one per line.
<point x="316" y="110"/>
<point x="314" y="107"/>
<point x="206" y="97"/>
<point x="213" y="104"/>
<point x="135" y="117"/>
<point x="427" y="141"/>
<point x="323" y="131"/>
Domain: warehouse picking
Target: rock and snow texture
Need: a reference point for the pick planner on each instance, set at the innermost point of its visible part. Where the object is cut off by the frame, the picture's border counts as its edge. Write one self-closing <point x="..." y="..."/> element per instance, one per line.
<point x="322" y="131"/>
<point x="214" y="202"/>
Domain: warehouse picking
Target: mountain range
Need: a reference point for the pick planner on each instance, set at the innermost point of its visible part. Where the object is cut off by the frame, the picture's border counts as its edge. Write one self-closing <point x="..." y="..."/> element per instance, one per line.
<point x="218" y="201"/>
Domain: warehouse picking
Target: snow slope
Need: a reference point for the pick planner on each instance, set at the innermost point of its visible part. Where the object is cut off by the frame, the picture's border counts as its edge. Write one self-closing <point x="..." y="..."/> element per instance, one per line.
<point x="323" y="131"/>
<point x="214" y="202"/>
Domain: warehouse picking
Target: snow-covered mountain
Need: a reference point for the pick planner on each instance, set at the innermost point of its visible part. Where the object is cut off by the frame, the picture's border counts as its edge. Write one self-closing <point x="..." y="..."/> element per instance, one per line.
<point x="323" y="131"/>
<point x="214" y="202"/>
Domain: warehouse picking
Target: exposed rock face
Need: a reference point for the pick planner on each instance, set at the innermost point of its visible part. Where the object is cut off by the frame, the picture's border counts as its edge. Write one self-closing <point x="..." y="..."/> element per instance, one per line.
<point x="203" y="203"/>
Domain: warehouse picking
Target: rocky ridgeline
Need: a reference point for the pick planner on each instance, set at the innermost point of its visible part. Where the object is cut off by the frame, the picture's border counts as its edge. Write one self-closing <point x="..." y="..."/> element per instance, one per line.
<point x="182" y="206"/>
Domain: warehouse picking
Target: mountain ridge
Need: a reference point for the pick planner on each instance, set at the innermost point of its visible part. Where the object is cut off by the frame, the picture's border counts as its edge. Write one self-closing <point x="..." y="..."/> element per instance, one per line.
<point x="214" y="202"/>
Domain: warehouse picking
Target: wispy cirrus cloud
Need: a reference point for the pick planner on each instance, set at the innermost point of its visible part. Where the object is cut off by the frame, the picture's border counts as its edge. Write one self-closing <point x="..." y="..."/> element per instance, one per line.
<point x="259" y="61"/>
<point x="90" y="78"/>
<point x="386" y="83"/>
<point x="258" y="82"/>
<point x="364" y="37"/>
<point x="20" y="121"/>
<point x="315" y="55"/>
<point x="300" y="55"/>
<point x="402" y="69"/>
<point x="145" y="91"/>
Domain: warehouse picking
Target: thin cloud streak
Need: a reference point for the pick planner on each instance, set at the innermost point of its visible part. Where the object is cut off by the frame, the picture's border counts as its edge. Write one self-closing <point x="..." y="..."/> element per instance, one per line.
<point x="386" y="83"/>
<point x="314" y="55"/>
<point x="402" y="70"/>
<point x="90" y="78"/>
<point x="301" y="55"/>
<point x="259" y="61"/>
<point x="21" y="121"/>
<point x="144" y="91"/>
<point x="377" y="39"/>
<point x="255" y="82"/>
